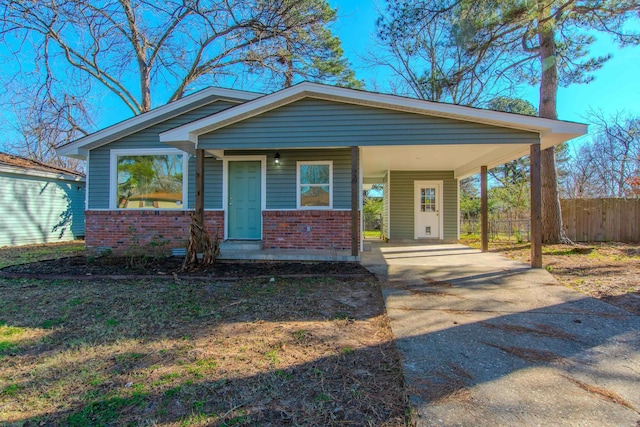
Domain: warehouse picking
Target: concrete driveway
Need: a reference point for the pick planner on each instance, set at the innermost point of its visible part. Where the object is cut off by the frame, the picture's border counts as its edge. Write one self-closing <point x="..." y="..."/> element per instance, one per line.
<point x="486" y="341"/>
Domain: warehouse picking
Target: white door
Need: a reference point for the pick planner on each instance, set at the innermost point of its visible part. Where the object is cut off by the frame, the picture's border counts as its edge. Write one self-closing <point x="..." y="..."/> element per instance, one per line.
<point x="428" y="206"/>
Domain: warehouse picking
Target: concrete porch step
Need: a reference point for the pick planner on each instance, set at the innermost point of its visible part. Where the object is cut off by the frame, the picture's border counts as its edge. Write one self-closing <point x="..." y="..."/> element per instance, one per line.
<point x="240" y="245"/>
<point x="294" y="255"/>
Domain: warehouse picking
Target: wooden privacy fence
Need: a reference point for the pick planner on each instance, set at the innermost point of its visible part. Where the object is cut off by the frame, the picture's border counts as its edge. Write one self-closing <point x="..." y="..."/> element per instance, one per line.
<point x="601" y="220"/>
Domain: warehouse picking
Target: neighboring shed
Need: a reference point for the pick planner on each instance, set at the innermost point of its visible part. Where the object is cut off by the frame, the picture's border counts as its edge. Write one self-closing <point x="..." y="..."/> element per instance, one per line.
<point x="39" y="203"/>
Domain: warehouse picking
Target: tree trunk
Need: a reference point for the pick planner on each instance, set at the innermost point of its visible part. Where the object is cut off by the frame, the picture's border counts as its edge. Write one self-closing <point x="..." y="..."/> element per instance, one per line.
<point x="551" y="214"/>
<point x="145" y="87"/>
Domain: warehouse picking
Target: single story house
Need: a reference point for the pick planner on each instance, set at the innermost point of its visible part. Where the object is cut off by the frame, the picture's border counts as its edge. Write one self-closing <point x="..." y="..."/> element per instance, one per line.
<point x="287" y="169"/>
<point x="39" y="203"/>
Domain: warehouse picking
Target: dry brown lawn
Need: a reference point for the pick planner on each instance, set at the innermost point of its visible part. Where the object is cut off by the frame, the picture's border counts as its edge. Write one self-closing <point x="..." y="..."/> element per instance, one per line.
<point x="312" y="351"/>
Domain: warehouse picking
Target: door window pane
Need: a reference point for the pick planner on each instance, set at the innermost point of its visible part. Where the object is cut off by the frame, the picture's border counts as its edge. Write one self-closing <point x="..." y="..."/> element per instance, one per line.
<point x="427" y="199"/>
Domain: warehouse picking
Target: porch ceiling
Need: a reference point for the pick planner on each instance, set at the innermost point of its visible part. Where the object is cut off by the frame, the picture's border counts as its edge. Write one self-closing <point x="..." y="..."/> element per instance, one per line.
<point x="463" y="159"/>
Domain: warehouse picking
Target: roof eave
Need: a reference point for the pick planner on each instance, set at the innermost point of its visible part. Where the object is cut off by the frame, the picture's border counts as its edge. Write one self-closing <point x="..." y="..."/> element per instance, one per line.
<point x="80" y="147"/>
<point x="41" y="174"/>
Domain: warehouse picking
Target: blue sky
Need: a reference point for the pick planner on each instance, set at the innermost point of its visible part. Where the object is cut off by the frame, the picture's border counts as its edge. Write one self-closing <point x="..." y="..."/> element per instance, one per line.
<point x="616" y="86"/>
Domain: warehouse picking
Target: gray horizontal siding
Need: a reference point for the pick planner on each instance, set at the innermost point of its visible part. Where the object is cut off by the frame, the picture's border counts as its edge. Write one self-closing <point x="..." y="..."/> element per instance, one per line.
<point x="185" y="109"/>
<point x="212" y="183"/>
<point x="99" y="158"/>
<point x="40" y="210"/>
<point x="319" y="123"/>
<point x="401" y="202"/>
<point x="281" y="179"/>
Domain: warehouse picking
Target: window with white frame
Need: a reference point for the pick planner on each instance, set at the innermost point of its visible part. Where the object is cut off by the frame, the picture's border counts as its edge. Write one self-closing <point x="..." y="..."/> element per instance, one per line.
<point x="315" y="185"/>
<point x="148" y="179"/>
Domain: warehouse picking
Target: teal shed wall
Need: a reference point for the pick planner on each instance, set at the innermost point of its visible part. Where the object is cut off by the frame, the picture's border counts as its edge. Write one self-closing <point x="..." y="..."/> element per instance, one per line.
<point x="312" y="123"/>
<point x="401" y="202"/>
<point x="40" y="210"/>
<point x="99" y="158"/>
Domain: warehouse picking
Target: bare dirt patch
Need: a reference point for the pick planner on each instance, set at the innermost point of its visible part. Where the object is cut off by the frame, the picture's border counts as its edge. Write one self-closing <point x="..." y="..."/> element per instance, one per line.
<point x="60" y="261"/>
<point x="608" y="271"/>
<point x="256" y="351"/>
<point x="172" y="266"/>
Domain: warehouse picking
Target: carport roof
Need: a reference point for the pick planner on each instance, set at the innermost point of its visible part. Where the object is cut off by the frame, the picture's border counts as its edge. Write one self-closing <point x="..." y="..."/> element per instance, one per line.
<point x="463" y="159"/>
<point x="552" y="132"/>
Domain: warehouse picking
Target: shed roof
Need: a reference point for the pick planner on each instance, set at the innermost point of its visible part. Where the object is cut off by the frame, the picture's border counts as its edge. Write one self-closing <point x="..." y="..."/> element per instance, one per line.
<point x="17" y="164"/>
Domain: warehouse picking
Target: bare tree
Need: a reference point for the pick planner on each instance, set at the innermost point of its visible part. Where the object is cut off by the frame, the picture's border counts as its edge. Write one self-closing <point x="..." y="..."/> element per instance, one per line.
<point x="578" y="182"/>
<point x="41" y="126"/>
<point x="427" y="54"/>
<point x="174" y="44"/>
<point x="609" y="164"/>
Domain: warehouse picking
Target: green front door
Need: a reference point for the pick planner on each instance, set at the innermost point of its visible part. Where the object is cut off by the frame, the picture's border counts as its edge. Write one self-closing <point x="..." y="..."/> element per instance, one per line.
<point x="244" y="204"/>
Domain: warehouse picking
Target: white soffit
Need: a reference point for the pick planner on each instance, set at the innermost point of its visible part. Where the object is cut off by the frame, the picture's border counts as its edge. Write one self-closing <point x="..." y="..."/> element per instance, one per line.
<point x="463" y="159"/>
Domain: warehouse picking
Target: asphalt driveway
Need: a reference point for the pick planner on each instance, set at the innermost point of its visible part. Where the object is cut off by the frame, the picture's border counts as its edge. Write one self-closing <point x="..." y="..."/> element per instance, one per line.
<point x="486" y="341"/>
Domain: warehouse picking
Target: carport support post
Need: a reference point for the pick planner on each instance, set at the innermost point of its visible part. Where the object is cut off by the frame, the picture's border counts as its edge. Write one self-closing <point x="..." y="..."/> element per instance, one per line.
<point x="355" y="198"/>
<point x="200" y="186"/>
<point x="484" y="210"/>
<point x="536" y="208"/>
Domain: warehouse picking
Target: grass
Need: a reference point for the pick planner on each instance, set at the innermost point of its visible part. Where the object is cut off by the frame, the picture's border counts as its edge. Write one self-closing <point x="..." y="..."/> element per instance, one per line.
<point x="31" y="253"/>
<point x="145" y="352"/>
<point x="372" y="234"/>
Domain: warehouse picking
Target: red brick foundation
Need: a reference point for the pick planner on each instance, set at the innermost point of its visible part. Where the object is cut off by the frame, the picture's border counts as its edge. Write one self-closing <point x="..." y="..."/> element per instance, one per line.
<point x="155" y="231"/>
<point x="313" y="229"/>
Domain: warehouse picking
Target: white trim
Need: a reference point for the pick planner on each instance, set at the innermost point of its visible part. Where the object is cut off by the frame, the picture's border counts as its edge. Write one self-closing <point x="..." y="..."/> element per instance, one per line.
<point x="552" y="132"/>
<point x="387" y="187"/>
<point x="113" y="175"/>
<point x="297" y="210"/>
<point x="458" y="204"/>
<point x="439" y="205"/>
<point x="225" y="187"/>
<point x="163" y="210"/>
<point x="77" y="148"/>
<point x="314" y="162"/>
<point x="360" y="200"/>
<point x="86" y="185"/>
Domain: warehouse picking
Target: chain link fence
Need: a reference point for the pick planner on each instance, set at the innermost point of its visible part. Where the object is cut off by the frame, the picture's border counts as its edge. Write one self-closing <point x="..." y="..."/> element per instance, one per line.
<point x="518" y="230"/>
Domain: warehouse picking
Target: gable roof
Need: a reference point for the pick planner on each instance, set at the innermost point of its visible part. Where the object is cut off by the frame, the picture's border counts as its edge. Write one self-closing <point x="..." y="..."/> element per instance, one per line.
<point x="552" y="132"/>
<point x="81" y="146"/>
<point x="10" y="163"/>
